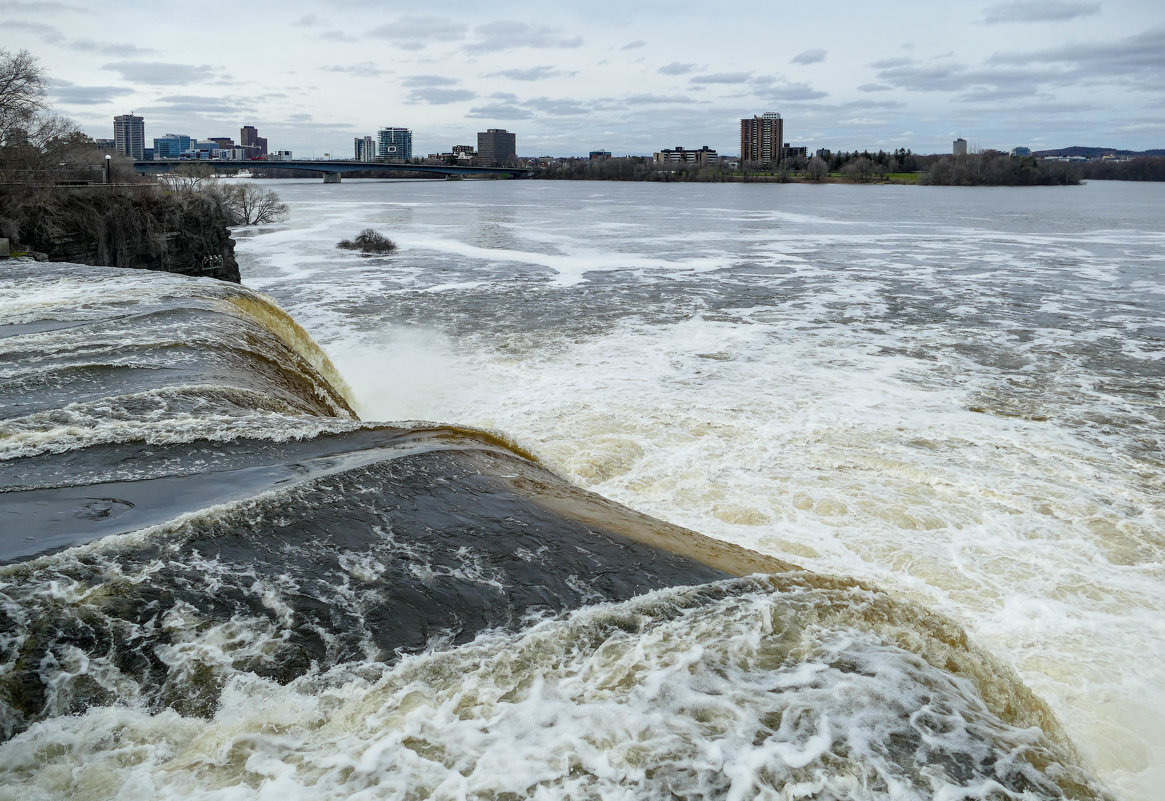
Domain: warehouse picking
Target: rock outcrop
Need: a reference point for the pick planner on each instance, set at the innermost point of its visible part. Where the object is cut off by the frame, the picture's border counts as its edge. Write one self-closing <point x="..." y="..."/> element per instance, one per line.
<point x="138" y="228"/>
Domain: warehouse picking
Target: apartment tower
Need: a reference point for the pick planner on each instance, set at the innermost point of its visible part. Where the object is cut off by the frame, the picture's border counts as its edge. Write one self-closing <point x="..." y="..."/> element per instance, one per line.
<point x="129" y="136"/>
<point x="762" y="139"/>
<point x="394" y="144"/>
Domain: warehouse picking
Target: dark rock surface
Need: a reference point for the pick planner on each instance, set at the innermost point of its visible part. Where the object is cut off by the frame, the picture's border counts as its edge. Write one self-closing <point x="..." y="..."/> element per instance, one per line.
<point x="139" y="228"/>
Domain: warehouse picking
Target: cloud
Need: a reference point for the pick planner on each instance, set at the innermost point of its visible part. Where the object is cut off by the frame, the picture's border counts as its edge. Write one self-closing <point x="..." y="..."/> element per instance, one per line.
<point x="996" y="95"/>
<point x="640" y="100"/>
<point x="307" y="20"/>
<point x="1136" y="61"/>
<point x="46" y="32"/>
<point x="676" y="68"/>
<point x="428" y="81"/>
<point x="788" y="92"/>
<point x="110" y="48"/>
<point x="499" y="111"/>
<point x="367" y="69"/>
<point x="507" y="35"/>
<point x="809" y="57"/>
<point x="414" y="33"/>
<point x="722" y="77"/>
<point x="1038" y="11"/>
<point x="160" y="73"/>
<point x="337" y="36"/>
<point x="438" y="97"/>
<point x="71" y="94"/>
<point x="201" y="105"/>
<point x="888" y="63"/>
<point x="875" y="87"/>
<point x="634" y="45"/>
<point x="16" y="7"/>
<point x="531" y="74"/>
<point x="559" y="107"/>
<point x="1143" y="53"/>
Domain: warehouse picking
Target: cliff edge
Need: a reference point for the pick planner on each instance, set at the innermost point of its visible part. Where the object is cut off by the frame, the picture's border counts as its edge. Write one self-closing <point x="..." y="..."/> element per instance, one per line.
<point x="137" y="227"/>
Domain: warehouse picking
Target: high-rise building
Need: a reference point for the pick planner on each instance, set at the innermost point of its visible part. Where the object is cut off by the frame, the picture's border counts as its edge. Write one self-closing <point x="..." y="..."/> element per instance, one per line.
<point x="250" y="139"/>
<point x="496" y="147"/>
<point x="762" y="139"/>
<point x="394" y="144"/>
<point x="959" y="147"/>
<point x="364" y="148"/>
<point x="129" y="136"/>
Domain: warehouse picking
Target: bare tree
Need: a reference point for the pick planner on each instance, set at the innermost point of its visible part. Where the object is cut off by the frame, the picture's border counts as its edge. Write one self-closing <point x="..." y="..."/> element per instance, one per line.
<point x="192" y="177"/>
<point x="817" y="169"/>
<point x="22" y="94"/>
<point x="248" y="204"/>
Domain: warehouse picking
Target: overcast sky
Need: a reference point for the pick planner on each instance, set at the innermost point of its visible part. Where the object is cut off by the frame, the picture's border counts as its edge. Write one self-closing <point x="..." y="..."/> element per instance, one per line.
<point x="629" y="77"/>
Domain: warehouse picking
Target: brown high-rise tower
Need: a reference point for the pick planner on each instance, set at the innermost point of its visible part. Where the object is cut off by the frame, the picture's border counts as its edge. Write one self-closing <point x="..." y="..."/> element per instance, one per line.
<point x="762" y="139"/>
<point x="250" y="139"/>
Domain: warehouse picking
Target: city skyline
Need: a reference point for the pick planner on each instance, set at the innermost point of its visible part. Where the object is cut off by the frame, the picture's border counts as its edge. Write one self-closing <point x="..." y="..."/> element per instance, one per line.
<point x="1036" y="73"/>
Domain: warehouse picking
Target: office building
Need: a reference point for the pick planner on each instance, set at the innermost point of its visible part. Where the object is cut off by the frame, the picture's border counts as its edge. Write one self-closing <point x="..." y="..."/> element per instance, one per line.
<point x="1021" y="151"/>
<point x="224" y="142"/>
<point x="250" y="139"/>
<point x="496" y="147"/>
<point x="959" y="147"/>
<point x="762" y="139"/>
<point x="171" y="146"/>
<point x="129" y="135"/>
<point x="680" y="155"/>
<point x="394" y="144"/>
<point x="364" y="149"/>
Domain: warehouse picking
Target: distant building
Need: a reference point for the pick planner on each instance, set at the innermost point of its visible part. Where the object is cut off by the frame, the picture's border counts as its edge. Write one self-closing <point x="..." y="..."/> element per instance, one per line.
<point x="762" y="139"/>
<point x="599" y="155"/>
<point x="824" y="154"/>
<point x="224" y="142"/>
<point x="106" y="145"/>
<point x="364" y="149"/>
<point x="129" y="135"/>
<point x="496" y="147"/>
<point x="171" y="146"/>
<point x="250" y="139"/>
<point x="679" y="155"/>
<point x="791" y="152"/>
<point x="959" y="147"/>
<point x="1021" y="151"/>
<point x="394" y="144"/>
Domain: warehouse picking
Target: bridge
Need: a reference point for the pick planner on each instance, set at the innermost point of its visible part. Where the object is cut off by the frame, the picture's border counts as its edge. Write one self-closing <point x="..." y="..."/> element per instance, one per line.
<point x="332" y="170"/>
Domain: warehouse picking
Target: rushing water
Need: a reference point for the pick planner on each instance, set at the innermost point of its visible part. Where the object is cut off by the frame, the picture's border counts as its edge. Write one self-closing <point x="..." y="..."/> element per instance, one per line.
<point x="953" y="395"/>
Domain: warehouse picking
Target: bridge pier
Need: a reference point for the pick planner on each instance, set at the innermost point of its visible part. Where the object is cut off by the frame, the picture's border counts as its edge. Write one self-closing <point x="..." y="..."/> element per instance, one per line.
<point x="331" y="177"/>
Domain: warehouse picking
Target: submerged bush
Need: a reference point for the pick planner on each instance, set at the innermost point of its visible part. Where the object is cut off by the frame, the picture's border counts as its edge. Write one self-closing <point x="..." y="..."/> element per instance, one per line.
<point x="368" y="241"/>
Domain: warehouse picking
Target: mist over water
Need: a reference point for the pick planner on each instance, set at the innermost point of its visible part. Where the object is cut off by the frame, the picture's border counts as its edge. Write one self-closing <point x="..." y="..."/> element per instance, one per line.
<point x="954" y="394"/>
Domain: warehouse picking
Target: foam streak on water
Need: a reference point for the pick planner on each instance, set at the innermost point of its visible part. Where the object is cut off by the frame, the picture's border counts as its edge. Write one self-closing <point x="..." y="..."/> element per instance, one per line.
<point x="955" y="394"/>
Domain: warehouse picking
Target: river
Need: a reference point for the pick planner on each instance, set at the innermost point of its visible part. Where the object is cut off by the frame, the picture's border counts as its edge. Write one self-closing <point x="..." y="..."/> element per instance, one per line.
<point x="954" y="395"/>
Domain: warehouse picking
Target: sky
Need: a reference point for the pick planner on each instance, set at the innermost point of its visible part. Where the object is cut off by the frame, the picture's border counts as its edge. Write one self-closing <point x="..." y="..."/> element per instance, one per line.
<point x="627" y="77"/>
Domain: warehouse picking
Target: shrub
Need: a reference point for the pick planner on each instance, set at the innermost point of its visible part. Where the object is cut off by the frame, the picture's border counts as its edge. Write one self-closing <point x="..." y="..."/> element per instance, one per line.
<point x="368" y="241"/>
